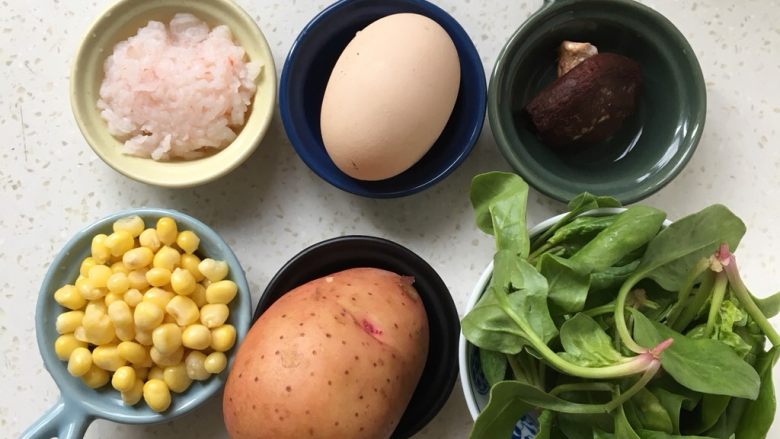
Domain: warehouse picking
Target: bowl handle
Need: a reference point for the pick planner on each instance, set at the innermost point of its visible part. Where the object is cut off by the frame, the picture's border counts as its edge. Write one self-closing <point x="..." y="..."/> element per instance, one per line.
<point x="64" y="421"/>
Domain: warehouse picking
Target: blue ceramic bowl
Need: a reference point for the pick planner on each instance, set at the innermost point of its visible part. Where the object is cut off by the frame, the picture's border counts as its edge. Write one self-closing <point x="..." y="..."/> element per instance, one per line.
<point x="306" y="73"/>
<point x="78" y="404"/>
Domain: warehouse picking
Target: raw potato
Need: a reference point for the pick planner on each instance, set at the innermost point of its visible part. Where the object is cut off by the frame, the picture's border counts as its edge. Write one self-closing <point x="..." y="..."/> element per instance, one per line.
<point x="336" y="358"/>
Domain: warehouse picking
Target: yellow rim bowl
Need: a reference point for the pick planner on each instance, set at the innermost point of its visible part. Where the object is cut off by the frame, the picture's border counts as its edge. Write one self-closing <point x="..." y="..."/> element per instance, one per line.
<point x="121" y="21"/>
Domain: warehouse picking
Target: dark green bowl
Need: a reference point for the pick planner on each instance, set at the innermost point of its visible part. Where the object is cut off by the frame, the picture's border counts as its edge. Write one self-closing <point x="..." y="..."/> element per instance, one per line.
<point x="653" y="145"/>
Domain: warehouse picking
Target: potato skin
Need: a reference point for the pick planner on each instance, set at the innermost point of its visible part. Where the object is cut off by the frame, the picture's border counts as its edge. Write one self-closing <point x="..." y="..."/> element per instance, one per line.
<point x="336" y="358"/>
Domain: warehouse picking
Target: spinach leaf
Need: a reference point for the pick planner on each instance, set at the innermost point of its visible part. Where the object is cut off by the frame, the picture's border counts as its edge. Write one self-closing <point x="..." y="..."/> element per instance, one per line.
<point x="672" y="403"/>
<point x="493" y="365"/>
<point x="632" y="229"/>
<point x="586" y="343"/>
<point x="568" y="284"/>
<point x="508" y="391"/>
<point x="706" y="366"/>
<point x="649" y="434"/>
<point x="546" y="419"/>
<point x="612" y="277"/>
<point x="623" y="429"/>
<point x="729" y="316"/>
<point x="759" y="414"/>
<point x="769" y="306"/>
<point x="727" y="423"/>
<point x="488" y="326"/>
<point x="499" y="200"/>
<point x="504" y="409"/>
<point x="710" y="410"/>
<point x="648" y="412"/>
<point x="577" y="206"/>
<point x="677" y="248"/>
<point x="527" y="369"/>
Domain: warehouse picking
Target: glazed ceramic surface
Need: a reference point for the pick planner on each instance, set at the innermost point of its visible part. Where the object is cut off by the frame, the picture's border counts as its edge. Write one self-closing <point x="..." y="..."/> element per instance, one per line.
<point x="78" y="405"/>
<point x="121" y="21"/>
<point x="651" y="147"/>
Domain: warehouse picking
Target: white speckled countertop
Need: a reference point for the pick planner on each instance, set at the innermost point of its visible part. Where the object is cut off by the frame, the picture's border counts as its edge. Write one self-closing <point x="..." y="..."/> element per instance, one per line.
<point x="51" y="184"/>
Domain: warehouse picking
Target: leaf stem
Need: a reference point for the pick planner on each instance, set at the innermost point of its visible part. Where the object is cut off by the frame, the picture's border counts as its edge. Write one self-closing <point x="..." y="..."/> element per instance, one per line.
<point x="549" y="232"/>
<point x="716" y="299"/>
<point x="581" y="387"/>
<point x="695" y="304"/>
<point x="620" y="315"/>
<point x="685" y="291"/>
<point x="636" y="365"/>
<point x="639" y="385"/>
<point x="599" y="310"/>
<point x="743" y="295"/>
<point x="539" y="251"/>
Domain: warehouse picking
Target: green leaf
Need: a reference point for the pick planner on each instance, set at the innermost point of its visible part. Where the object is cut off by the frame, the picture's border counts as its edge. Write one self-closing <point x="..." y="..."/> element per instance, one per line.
<point x="649" y="434"/>
<point x="546" y="419"/>
<point x="672" y="403"/>
<point x="623" y="429"/>
<point x="632" y="229"/>
<point x="769" y="306"/>
<point x="568" y="284"/>
<point x="586" y="343"/>
<point x="759" y="414"/>
<point x="612" y="277"/>
<point x="727" y="423"/>
<point x="487" y="326"/>
<point x="493" y="365"/>
<point x="649" y="412"/>
<point x="711" y="408"/>
<point x="499" y="200"/>
<point x="706" y="366"/>
<point x="671" y="255"/>
<point x="504" y="409"/>
<point x="577" y="206"/>
<point x="535" y="397"/>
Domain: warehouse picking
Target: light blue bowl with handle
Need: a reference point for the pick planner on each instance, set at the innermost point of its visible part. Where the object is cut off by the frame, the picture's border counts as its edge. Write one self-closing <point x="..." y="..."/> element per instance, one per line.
<point x="79" y="405"/>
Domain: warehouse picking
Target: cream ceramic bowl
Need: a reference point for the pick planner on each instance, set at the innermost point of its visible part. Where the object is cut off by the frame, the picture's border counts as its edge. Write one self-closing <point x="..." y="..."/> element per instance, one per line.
<point x="122" y="20"/>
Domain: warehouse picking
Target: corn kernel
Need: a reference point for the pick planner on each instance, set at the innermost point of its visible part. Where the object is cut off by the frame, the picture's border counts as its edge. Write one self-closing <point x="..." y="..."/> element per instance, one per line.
<point x="111" y="298"/>
<point x="120" y="314"/>
<point x="93" y="293"/>
<point x="143" y="337"/>
<point x="215" y="362"/>
<point x="138" y="280"/>
<point x="155" y="373"/>
<point x="96" y="307"/>
<point x="98" y="276"/>
<point x="190" y="263"/>
<point x="125" y="333"/>
<point x="95" y="377"/>
<point x="133" y="225"/>
<point x="135" y="394"/>
<point x="167" y="338"/>
<point x="149" y="239"/>
<point x="196" y="337"/>
<point x="66" y="344"/>
<point x="69" y="297"/>
<point x="166" y="257"/>
<point x="119" y="242"/>
<point x="107" y="357"/>
<point x="120" y="267"/>
<point x="176" y="378"/>
<point x="221" y="292"/>
<point x="98" y="328"/>
<point x="81" y="335"/>
<point x="132" y="352"/>
<point x="169" y="319"/>
<point x="100" y="253"/>
<point x="195" y="364"/>
<point x="133" y="297"/>
<point x="157" y="395"/>
<point x="158" y="277"/>
<point x="171" y="359"/>
<point x="67" y="322"/>
<point x="188" y="241"/>
<point x="182" y="282"/>
<point x="223" y="338"/>
<point x="214" y="315"/>
<point x="214" y="271"/>
<point x="158" y="296"/>
<point x="147" y="316"/>
<point x="167" y="230"/>
<point x="137" y="258"/>
<point x="183" y="309"/>
<point x="79" y="362"/>
<point x="199" y="296"/>
<point x="123" y="379"/>
<point x="86" y="264"/>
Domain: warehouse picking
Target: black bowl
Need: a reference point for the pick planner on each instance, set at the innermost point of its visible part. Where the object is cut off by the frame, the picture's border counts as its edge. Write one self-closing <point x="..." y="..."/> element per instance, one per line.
<point x="337" y="254"/>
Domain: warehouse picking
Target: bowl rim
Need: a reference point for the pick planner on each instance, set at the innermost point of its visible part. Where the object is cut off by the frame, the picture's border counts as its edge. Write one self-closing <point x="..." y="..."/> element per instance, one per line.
<point x="445" y="302"/>
<point x="670" y="171"/>
<point x="298" y="145"/>
<point x="479" y="288"/>
<point x="199" y="178"/>
<point x="241" y="322"/>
